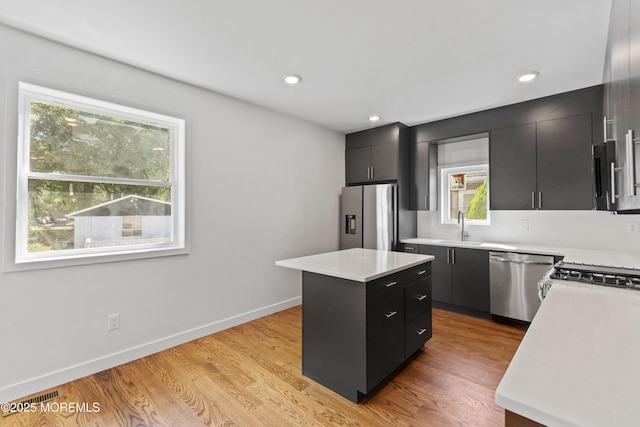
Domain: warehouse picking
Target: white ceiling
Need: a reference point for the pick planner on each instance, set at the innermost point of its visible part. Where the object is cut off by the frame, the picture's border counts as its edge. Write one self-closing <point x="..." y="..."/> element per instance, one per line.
<point x="412" y="61"/>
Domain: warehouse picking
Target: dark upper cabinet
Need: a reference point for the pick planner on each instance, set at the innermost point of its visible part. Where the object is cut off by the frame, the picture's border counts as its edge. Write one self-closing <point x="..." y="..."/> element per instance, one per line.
<point x="564" y="163"/>
<point x="621" y="102"/>
<point x="618" y="49"/>
<point x="384" y="162"/>
<point x="374" y="155"/>
<point x="634" y="68"/>
<point x="374" y="136"/>
<point x="544" y="165"/>
<point x="378" y="163"/>
<point x="423" y="165"/>
<point x="607" y="107"/>
<point x="358" y="165"/>
<point x="512" y="170"/>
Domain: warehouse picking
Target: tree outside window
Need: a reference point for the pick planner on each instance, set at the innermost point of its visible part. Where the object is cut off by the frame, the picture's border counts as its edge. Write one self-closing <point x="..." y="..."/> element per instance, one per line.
<point x="465" y="189"/>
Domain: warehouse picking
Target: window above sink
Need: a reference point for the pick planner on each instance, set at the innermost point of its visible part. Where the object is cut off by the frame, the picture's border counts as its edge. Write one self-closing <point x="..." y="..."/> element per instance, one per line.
<point x="466" y="189"/>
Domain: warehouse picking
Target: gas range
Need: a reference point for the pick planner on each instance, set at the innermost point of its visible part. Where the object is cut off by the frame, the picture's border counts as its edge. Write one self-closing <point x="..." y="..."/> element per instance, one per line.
<point x="619" y="277"/>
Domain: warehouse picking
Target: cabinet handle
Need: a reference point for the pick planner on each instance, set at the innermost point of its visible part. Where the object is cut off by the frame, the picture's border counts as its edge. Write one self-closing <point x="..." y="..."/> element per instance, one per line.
<point x="409" y="248"/>
<point x="368" y="173"/>
<point x="630" y="169"/>
<point x="448" y="256"/>
<point x="635" y="141"/>
<point x="425" y="203"/>
<point x="453" y="256"/>
<point x="371" y="172"/>
<point x="390" y="284"/>
<point x="539" y="199"/>
<point x="391" y="314"/>
<point x="421" y="297"/>
<point x="613" y="183"/>
<point x="422" y="331"/>
<point x="533" y="200"/>
<point x="421" y="272"/>
<point x="606" y="122"/>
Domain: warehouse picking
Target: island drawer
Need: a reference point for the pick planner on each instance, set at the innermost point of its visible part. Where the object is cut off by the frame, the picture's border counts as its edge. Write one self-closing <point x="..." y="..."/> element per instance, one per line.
<point x="418" y="272"/>
<point x="417" y="298"/>
<point x="404" y="277"/>
<point x="417" y="332"/>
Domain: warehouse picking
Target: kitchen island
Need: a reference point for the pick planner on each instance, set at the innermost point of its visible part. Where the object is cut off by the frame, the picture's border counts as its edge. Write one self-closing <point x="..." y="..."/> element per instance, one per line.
<point x="364" y="313"/>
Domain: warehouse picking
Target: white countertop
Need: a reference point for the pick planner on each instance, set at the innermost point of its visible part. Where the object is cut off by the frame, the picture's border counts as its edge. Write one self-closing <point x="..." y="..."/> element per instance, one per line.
<point x="579" y="362"/>
<point x="584" y="256"/>
<point x="361" y="265"/>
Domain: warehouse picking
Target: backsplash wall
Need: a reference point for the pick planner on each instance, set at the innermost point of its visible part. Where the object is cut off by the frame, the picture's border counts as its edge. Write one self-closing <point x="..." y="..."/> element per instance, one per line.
<point x="572" y="229"/>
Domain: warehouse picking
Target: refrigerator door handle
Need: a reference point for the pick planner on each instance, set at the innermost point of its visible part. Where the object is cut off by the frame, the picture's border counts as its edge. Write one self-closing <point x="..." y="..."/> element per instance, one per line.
<point x="630" y="168"/>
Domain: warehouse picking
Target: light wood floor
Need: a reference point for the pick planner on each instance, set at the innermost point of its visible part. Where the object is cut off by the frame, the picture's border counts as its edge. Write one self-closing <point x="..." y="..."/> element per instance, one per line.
<point x="250" y="375"/>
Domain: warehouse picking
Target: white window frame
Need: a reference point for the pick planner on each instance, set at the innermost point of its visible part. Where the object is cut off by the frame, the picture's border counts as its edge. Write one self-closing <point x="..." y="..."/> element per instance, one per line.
<point x="445" y="203"/>
<point x="29" y="92"/>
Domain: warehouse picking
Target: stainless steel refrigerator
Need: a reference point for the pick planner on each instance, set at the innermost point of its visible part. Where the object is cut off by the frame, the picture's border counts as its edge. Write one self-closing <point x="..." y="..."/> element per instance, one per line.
<point x="369" y="217"/>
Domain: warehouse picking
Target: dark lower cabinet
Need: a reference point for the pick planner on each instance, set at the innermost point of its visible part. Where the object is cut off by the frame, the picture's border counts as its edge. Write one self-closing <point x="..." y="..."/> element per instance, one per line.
<point x="440" y="271"/>
<point x="354" y="334"/>
<point x="460" y="276"/>
<point x="470" y="279"/>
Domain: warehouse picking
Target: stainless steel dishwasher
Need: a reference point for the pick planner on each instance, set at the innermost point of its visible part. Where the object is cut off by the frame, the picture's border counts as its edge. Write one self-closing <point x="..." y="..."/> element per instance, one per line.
<point x="513" y="279"/>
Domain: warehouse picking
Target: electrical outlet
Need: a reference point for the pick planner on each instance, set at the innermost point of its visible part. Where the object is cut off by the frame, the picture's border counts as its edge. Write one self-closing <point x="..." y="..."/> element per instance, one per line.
<point x="632" y="227"/>
<point x="113" y="322"/>
<point x="524" y="224"/>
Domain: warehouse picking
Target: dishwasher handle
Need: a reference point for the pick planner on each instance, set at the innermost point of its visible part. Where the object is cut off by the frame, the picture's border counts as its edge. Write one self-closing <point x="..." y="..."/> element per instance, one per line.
<point x="519" y="261"/>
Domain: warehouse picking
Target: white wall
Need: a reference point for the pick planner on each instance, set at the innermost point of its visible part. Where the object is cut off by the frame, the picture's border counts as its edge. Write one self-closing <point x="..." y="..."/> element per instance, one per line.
<point x="569" y="229"/>
<point x="261" y="187"/>
<point x="573" y="229"/>
<point x="464" y="153"/>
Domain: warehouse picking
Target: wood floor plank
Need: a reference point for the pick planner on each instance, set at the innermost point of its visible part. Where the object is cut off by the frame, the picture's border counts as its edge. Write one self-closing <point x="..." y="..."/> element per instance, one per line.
<point x="250" y="375"/>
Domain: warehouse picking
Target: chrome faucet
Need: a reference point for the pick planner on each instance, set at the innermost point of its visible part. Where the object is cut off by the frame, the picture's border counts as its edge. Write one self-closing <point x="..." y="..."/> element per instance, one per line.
<point x="463" y="233"/>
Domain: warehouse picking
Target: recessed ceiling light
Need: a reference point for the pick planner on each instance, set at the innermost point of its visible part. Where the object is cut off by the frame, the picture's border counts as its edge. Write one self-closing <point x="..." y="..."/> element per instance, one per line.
<point x="528" y="76"/>
<point x="374" y="118"/>
<point x="292" y="79"/>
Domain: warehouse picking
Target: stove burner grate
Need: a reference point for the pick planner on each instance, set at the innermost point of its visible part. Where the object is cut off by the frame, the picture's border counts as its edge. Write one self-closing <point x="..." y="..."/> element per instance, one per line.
<point x="597" y="278"/>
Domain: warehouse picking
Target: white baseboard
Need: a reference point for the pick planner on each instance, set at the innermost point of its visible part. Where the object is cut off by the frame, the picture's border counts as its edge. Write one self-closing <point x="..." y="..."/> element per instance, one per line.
<point x="53" y="379"/>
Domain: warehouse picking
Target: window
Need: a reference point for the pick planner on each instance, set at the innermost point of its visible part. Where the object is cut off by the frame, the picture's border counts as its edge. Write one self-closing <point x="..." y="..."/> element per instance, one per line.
<point x="465" y="189"/>
<point x="96" y="178"/>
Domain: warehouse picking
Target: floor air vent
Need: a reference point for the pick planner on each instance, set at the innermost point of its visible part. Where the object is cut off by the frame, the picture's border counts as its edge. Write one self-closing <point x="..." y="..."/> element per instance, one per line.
<point x="15" y="407"/>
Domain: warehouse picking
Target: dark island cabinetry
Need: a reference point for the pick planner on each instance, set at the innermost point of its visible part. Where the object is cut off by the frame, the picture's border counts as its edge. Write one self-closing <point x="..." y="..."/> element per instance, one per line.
<point x="355" y="334"/>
